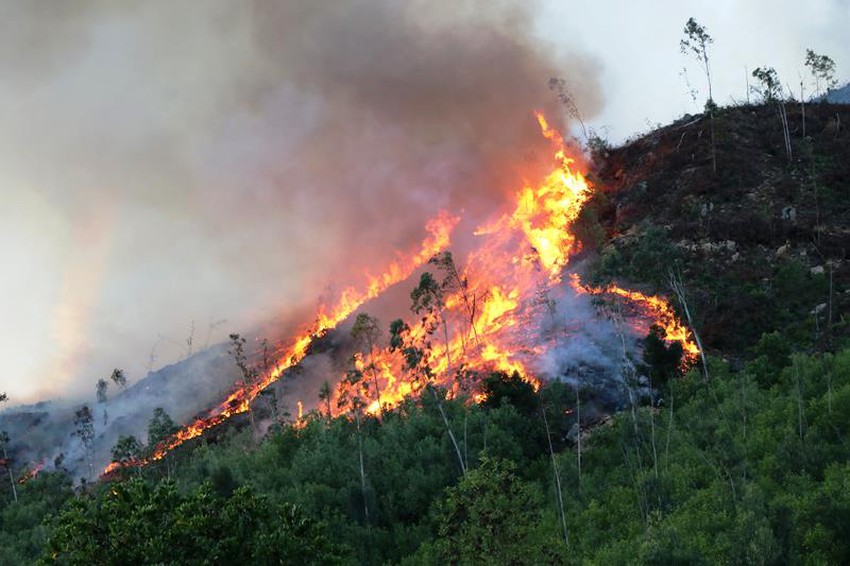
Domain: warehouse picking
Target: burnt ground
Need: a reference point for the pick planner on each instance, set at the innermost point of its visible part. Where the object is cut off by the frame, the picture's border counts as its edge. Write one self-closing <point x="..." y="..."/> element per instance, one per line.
<point x="761" y="243"/>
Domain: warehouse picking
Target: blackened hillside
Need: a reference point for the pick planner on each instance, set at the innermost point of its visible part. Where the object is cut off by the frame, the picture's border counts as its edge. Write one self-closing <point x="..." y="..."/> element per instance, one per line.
<point x="761" y="244"/>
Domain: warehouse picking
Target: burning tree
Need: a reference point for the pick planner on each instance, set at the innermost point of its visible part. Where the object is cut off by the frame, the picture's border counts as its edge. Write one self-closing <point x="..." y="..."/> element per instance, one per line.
<point x="128" y="452"/>
<point x="84" y="423"/>
<point x="366" y="333"/>
<point x="416" y="362"/>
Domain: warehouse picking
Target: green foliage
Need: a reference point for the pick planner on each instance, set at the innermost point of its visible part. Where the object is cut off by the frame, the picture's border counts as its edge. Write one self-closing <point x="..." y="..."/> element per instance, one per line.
<point x="499" y="387"/>
<point x="661" y="362"/>
<point x="587" y="227"/>
<point x="695" y="43"/>
<point x="493" y="517"/>
<point x="24" y="525"/>
<point x="747" y="467"/>
<point x="135" y="523"/>
<point x="769" y="87"/>
<point x="127" y="449"/>
<point x="822" y="69"/>
<point x="160" y="427"/>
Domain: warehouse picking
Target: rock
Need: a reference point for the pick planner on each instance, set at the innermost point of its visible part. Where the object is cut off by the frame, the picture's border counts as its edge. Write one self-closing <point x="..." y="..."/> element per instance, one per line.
<point x="817" y="270"/>
<point x="789" y="213"/>
<point x="783" y="250"/>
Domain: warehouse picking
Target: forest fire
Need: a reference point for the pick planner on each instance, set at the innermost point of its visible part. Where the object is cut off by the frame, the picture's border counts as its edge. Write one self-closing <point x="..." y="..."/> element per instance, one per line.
<point x="655" y="310"/>
<point x="472" y="319"/>
<point x="31" y="474"/>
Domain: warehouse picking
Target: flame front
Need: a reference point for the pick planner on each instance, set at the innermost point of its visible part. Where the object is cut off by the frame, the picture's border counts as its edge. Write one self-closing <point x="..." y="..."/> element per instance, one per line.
<point x="439" y="235"/>
<point x="483" y="325"/>
<point x="483" y="319"/>
<point x="655" y="310"/>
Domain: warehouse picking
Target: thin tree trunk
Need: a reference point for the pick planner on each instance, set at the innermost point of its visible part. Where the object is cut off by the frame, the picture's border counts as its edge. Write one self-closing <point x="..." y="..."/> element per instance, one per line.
<point x="375" y="377"/>
<point x="578" y="437"/>
<point x="448" y="428"/>
<point x="557" y="479"/>
<point x="679" y="290"/>
<point x="669" y="431"/>
<point x="446" y="337"/>
<point x="362" y="469"/>
<point x="799" y="402"/>
<point x="11" y="478"/>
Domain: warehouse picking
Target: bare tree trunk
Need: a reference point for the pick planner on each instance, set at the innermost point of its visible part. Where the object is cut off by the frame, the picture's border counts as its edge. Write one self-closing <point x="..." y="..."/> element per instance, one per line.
<point x="669" y="431"/>
<point x="713" y="145"/>
<point x="786" y="133"/>
<point x="578" y="437"/>
<point x="362" y="468"/>
<point x="446" y="337"/>
<point x="11" y="478"/>
<point x="799" y="402"/>
<point x="679" y="290"/>
<point x="448" y="428"/>
<point x="375" y="376"/>
<point x="557" y="473"/>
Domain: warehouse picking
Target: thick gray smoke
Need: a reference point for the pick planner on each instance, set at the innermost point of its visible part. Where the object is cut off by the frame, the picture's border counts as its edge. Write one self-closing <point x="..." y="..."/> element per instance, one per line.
<point x="170" y="162"/>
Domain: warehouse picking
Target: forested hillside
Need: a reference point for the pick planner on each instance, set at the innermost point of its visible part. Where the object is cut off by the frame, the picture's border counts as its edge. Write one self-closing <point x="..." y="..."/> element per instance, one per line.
<point x="744" y="460"/>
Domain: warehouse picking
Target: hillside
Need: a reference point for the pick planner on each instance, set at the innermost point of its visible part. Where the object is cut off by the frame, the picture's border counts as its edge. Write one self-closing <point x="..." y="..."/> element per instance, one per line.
<point x="744" y="461"/>
<point x="761" y="244"/>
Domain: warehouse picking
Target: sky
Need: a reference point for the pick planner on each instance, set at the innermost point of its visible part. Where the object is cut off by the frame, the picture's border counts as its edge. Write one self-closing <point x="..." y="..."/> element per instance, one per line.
<point x="167" y="166"/>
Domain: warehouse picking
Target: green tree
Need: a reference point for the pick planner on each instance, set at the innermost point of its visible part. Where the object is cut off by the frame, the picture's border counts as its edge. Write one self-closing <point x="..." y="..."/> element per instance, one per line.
<point x="661" y="362"/>
<point x="160" y="427"/>
<point x="102" y="385"/>
<point x="502" y="387"/>
<point x="4" y="441"/>
<point x="770" y="89"/>
<point x="822" y="68"/>
<point x="135" y="523"/>
<point x="127" y="450"/>
<point x="493" y="517"/>
<point x="696" y="42"/>
<point x="84" y="430"/>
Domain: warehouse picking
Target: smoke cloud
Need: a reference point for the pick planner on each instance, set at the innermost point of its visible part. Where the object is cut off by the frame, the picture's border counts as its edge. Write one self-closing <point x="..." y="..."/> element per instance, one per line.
<point x="171" y="162"/>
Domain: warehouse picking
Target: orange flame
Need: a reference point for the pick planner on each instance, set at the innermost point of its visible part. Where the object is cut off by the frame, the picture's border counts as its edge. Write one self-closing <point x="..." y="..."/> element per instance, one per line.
<point x="439" y="232"/>
<point x="31" y="474"/>
<point x="482" y="322"/>
<point x="656" y="310"/>
<point x="480" y="326"/>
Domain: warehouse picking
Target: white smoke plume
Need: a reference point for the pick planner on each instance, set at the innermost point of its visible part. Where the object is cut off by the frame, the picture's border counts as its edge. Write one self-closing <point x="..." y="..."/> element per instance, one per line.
<point x="170" y="162"/>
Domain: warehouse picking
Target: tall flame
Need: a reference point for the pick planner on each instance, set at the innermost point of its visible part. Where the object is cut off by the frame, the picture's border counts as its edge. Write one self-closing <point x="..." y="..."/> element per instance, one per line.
<point x="482" y="320"/>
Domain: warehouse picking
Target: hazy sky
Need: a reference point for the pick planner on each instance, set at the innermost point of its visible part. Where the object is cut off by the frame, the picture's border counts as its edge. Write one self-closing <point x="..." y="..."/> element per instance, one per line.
<point x="171" y="162"/>
<point x="636" y="45"/>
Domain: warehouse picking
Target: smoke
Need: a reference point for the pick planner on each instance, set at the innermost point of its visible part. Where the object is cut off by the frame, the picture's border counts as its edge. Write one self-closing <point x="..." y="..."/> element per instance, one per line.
<point x="173" y="162"/>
